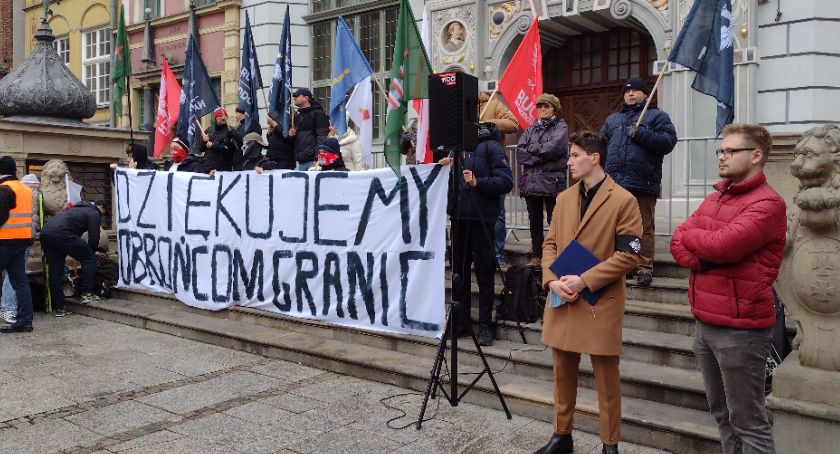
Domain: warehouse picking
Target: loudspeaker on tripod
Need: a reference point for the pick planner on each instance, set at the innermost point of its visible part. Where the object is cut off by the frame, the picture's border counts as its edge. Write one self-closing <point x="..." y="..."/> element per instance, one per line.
<point x="453" y="112"/>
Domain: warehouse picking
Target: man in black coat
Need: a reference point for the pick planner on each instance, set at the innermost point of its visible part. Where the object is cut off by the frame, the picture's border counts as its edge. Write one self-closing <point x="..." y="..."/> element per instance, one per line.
<point x="312" y="126"/>
<point x="635" y="159"/>
<point x="61" y="236"/>
<point x="281" y="149"/>
<point x="252" y="156"/>
<point x="484" y="179"/>
<point x="220" y="144"/>
<point x="138" y="157"/>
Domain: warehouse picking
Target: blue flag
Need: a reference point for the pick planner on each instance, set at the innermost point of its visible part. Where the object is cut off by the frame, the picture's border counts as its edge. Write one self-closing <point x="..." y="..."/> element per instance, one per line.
<point x="279" y="98"/>
<point x="198" y="98"/>
<point x="349" y="68"/>
<point x="249" y="81"/>
<point x="705" y="45"/>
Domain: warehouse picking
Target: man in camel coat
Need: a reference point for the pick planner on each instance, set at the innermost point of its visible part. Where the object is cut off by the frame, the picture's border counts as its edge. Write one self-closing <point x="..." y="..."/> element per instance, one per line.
<point x="605" y="219"/>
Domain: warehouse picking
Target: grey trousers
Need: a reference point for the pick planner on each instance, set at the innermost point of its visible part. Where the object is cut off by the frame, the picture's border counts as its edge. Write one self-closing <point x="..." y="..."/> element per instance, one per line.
<point x="733" y="362"/>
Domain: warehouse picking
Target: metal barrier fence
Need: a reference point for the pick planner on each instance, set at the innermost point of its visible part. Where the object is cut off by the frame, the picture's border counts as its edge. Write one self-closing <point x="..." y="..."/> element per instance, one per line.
<point x="688" y="173"/>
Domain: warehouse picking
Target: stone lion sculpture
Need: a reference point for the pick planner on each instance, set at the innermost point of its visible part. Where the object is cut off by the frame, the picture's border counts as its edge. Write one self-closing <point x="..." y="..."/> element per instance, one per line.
<point x="54" y="186"/>
<point x="807" y="281"/>
<point x="817" y="166"/>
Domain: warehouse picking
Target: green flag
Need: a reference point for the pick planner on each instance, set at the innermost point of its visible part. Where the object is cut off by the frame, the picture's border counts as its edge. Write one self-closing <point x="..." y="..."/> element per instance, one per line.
<point x="120" y="65"/>
<point x="410" y="70"/>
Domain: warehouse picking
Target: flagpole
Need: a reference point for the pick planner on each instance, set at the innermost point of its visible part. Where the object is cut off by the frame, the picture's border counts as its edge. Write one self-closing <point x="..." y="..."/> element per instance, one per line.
<point x="650" y="96"/>
<point x="292" y="108"/>
<point x="488" y="102"/>
<point x="130" y="121"/>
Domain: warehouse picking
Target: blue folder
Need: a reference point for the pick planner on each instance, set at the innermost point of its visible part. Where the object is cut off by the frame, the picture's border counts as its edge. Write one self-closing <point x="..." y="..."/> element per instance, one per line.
<point x="575" y="260"/>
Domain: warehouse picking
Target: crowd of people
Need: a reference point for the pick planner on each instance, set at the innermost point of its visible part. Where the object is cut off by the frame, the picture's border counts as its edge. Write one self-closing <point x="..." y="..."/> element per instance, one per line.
<point x="598" y="188"/>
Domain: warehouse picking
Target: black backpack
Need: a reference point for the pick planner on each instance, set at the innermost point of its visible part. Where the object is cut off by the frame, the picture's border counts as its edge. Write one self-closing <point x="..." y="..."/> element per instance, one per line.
<point x="521" y="296"/>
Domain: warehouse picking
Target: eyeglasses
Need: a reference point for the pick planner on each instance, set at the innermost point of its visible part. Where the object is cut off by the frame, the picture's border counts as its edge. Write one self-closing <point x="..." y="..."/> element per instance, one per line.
<point x="728" y="152"/>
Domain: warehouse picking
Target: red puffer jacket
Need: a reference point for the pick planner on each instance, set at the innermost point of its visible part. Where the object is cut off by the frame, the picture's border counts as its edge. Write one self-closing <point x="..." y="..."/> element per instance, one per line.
<point x="733" y="246"/>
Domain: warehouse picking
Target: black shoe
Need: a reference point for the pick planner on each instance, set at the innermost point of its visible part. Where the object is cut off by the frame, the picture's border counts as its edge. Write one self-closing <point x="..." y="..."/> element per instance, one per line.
<point x="559" y="444"/>
<point x="609" y="449"/>
<point x="485" y="336"/>
<point x="16" y="329"/>
<point x="644" y="278"/>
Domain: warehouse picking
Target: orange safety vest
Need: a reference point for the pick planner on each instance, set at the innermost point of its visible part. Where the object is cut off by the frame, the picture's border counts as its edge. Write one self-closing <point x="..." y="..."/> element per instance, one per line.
<point x="19" y="226"/>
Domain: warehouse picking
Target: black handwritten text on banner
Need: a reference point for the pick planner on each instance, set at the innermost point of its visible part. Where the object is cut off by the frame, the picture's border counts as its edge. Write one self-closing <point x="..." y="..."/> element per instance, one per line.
<point x="361" y="249"/>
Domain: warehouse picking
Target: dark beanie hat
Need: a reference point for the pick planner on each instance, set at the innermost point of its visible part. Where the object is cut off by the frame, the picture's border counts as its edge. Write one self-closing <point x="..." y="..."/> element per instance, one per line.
<point x="635" y="82"/>
<point x="8" y="166"/>
<point x="330" y="145"/>
<point x="239" y="110"/>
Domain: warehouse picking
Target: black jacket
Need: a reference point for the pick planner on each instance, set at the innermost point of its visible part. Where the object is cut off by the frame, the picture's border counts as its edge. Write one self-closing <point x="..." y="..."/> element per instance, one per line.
<point x="494" y="180"/>
<point x="281" y="149"/>
<point x="312" y="126"/>
<point x="225" y="150"/>
<point x="193" y="164"/>
<point x="82" y="217"/>
<point x="253" y="158"/>
<point x="636" y="163"/>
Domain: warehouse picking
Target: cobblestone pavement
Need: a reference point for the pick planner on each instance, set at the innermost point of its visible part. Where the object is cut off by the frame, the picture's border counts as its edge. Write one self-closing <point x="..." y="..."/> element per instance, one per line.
<point x="78" y="384"/>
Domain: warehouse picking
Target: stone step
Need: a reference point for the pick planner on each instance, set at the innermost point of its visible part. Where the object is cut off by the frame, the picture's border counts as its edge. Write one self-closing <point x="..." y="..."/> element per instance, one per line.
<point x="659" y="317"/>
<point x="665" y="426"/>
<point x="668" y="290"/>
<point x="654" y="382"/>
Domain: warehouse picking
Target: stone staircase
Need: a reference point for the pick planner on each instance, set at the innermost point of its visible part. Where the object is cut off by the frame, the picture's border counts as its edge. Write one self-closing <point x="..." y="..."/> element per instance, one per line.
<point x="663" y="401"/>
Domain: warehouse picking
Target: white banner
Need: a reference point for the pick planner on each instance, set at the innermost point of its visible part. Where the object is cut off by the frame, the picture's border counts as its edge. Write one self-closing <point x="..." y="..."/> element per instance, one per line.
<point x="360" y="249"/>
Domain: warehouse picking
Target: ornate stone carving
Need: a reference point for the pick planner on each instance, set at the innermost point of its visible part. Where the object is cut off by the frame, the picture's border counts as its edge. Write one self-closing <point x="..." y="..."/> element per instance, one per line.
<point x="43" y="86"/>
<point x="663" y="8"/>
<point x="621" y="9"/>
<point x="808" y="280"/>
<point x="454" y="35"/>
<point x="499" y="18"/>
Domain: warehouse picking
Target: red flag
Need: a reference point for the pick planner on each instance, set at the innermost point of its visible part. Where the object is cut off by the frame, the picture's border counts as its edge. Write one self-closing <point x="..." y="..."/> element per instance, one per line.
<point x="522" y="81"/>
<point x="169" y="101"/>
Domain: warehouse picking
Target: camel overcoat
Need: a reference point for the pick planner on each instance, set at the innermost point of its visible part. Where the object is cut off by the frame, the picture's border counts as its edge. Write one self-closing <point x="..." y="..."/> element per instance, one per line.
<point x="612" y="212"/>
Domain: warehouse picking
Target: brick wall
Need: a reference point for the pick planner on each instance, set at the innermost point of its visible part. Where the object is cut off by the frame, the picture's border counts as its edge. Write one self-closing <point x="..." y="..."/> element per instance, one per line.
<point x="6" y="37"/>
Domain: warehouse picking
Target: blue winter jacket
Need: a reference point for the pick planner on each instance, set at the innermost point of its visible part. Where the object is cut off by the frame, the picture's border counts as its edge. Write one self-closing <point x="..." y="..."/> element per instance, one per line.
<point x="636" y="163"/>
<point x="494" y="180"/>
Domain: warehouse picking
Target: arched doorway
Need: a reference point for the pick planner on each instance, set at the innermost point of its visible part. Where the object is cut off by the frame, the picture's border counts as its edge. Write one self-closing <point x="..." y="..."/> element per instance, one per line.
<point x="587" y="72"/>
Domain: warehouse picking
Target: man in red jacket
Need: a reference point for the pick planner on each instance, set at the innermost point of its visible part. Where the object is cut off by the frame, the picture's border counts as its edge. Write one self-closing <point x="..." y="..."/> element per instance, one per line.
<point x="733" y="246"/>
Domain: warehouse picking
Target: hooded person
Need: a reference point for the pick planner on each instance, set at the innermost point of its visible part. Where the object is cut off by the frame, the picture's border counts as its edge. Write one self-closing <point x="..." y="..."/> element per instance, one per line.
<point x="138" y="157"/>
<point x="252" y="154"/>
<point x="329" y="156"/>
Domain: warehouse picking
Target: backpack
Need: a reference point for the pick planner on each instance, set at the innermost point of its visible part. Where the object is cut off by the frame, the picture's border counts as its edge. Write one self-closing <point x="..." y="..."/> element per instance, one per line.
<point x="521" y="296"/>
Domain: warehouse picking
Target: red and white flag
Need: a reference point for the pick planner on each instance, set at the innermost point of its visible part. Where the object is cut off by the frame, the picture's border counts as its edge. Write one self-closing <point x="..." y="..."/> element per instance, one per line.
<point x="359" y="107"/>
<point x="421" y="106"/>
<point x="521" y="83"/>
<point x="169" y="105"/>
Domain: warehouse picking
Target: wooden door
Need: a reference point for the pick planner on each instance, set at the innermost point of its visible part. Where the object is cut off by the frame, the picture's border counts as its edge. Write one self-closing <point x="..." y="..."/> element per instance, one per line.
<point x="587" y="73"/>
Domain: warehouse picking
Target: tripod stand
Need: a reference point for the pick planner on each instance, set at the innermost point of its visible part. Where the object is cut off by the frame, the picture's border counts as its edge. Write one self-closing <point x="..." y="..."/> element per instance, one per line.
<point x="436" y="381"/>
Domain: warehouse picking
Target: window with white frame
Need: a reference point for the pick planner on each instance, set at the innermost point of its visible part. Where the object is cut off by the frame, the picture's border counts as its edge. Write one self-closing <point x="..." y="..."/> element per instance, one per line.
<point x="62" y="47"/>
<point x="96" y="63"/>
<point x="375" y="31"/>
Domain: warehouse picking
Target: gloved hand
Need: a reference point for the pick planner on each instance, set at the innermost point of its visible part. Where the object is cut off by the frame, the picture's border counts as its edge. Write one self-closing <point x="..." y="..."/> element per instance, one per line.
<point x="631" y="130"/>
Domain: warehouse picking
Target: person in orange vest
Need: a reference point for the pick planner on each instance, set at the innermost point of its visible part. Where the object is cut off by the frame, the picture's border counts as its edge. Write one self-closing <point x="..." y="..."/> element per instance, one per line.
<point x="16" y="233"/>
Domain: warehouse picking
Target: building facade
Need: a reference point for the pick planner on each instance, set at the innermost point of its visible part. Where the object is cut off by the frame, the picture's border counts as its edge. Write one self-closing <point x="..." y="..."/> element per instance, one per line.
<point x="83" y="39"/>
<point x="217" y="26"/>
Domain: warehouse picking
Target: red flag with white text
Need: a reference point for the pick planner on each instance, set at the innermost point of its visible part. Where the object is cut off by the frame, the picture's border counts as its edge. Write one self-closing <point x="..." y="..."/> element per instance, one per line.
<point x="522" y="81"/>
<point x="169" y="105"/>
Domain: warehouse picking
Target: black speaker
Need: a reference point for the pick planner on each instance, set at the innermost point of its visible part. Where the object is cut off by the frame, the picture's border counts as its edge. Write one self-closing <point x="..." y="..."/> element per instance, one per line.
<point x="453" y="112"/>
